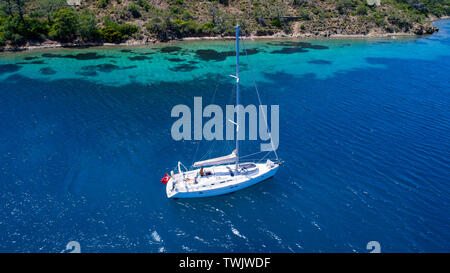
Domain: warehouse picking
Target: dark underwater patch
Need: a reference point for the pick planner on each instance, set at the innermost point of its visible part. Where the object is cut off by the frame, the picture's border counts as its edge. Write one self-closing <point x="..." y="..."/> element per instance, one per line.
<point x="37" y="62"/>
<point x="320" y="47"/>
<point x="252" y="51"/>
<point x="138" y="58"/>
<point x="183" y="68"/>
<point x="52" y="55"/>
<point x="240" y="65"/>
<point x="146" y="53"/>
<point x="213" y="55"/>
<point x="177" y="60"/>
<point x="170" y="49"/>
<point x="30" y="58"/>
<point x="9" y="68"/>
<point x="34" y="62"/>
<point x="126" y="50"/>
<point x="105" y="67"/>
<point x="298" y="44"/>
<point x="101" y="67"/>
<point x="289" y="50"/>
<point x="47" y="71"/>
<point x="87" y="73"/>
<point x="319" y="62"/>
<point x="79" y="56"/>
<point x="89" y="56"/>
<point x="128" y="67"/>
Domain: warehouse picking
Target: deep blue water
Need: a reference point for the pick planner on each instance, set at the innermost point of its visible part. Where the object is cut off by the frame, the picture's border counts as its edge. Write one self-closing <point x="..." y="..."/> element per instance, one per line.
<point x="364" y="137"/>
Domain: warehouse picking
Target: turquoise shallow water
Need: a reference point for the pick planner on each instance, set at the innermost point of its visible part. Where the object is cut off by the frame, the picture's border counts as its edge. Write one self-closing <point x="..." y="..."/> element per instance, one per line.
<point x="364" y="135"/>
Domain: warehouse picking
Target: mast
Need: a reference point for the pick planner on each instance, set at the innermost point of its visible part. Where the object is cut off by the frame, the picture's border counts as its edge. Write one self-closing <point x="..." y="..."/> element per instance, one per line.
<point x="237" y="96"/>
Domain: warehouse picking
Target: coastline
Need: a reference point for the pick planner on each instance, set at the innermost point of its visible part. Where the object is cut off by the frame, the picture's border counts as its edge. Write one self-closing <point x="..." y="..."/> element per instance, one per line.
<point x="56" y="45"/>
<point x="308" y="36"/>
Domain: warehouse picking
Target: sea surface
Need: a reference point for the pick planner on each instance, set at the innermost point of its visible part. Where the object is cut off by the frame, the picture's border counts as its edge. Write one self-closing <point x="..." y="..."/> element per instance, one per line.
<point x="364" y="140"/>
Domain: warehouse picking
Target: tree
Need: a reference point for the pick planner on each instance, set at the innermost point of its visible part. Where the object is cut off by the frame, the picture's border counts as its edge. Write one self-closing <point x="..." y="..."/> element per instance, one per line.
<point x="162" y="28"/>
<point x="65" y="25"/>
<point x="212" y="10"/>
<point x="8" y="6"/>
<point x="20" y="5"/>
<point x="88" y="26"/>
<point x="51" y="6"/>
<point x="112" y="32"/>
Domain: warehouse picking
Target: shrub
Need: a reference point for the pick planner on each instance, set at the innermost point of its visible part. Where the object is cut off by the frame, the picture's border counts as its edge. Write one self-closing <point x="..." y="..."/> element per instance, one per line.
<point x="102" y="4"/>
<point x="304" y="14"/>
<point x="145" y="5"/>
<point x="389" y="29"/>
<point x="400" y="21"/>
<point x="345" y="6"/>
<point x="134" y="9"/>
<point x="276" y="23"/>
<point x="185" y="28"/>
<point x="162" y="28"/>
<point x="115" y="33"/>
<point x="378" y="18"/>
<point x="207" y="28"/>
<point x="361" y="10"/>
<point x="111" y="34"/>
<point x="128" y="30"/>
<point x="175" y="9"/>
<point x="186" y="15"/>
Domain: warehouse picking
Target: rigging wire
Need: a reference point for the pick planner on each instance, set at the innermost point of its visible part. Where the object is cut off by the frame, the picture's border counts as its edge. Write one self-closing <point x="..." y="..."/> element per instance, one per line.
<point x="212" y="101"/>
<point x="245" y="156"/>
<point x="265" y="157"/>
<point x="259" y="99"/>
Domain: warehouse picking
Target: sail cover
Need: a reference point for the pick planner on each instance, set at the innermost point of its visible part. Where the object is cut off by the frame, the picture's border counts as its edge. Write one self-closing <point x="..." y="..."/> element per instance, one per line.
<point x="217" y="161"/>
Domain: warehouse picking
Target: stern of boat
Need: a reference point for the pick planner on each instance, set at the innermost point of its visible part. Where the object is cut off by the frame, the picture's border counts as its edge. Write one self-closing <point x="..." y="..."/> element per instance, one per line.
<point x="170" y="188"/>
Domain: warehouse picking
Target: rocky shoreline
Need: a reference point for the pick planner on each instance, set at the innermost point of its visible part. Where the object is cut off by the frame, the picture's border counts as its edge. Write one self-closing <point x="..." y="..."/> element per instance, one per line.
<point x="419" y="30"/>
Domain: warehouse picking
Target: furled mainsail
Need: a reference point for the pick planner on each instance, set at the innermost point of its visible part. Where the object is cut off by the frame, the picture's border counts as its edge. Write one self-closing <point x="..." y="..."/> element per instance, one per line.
<point x="217" y="161"/>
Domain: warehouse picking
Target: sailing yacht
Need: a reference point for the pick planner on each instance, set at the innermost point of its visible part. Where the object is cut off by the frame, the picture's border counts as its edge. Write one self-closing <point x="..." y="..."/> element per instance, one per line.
<point x="219" y="175"/>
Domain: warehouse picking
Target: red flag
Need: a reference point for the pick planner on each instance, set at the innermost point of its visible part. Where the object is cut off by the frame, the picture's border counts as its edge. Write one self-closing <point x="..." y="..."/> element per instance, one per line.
<point x="165" y="179"/>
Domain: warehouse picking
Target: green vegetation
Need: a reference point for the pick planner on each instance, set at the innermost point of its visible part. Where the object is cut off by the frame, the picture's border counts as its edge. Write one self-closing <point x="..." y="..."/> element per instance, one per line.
<point x="115" y="21"/>
<point x="112" y="32"/>
<point x="65" y="25"/>
<point x="88" y="27"/>
<point x="134" y="9"/>
<point x="102" y="3"/>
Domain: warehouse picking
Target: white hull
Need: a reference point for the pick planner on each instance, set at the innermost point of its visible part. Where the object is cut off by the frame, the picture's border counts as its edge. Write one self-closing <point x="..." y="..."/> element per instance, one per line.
<point x="219" y="182"/>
